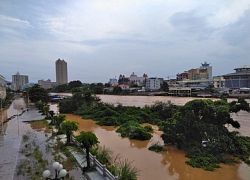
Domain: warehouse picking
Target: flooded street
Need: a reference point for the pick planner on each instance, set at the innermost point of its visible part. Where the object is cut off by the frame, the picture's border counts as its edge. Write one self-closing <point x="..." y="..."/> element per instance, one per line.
<point x="21" y="139"/>
<point x="160" y="166"/>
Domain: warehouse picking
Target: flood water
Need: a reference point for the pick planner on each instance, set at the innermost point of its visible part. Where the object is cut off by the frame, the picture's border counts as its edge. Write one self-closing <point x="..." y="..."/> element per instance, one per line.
<point x="165" y="165"/>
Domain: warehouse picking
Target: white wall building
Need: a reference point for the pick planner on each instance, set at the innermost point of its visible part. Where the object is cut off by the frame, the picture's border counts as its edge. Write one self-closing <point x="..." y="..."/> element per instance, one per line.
<point x="19" y="81"/>
<point x="140" y="81"/>
<point x="153" y="83"/>
<point x="47" y="84"/>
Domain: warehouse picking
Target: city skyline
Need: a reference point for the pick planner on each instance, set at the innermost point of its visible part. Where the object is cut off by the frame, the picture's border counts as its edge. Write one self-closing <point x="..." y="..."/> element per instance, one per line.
<point x="100" y="40"/>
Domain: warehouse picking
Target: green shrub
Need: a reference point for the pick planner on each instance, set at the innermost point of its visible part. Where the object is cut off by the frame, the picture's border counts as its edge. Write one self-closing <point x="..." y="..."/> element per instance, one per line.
<point x="157" y="147"/>
<point x="133" y="130"/>
<point x="149" y="128"/>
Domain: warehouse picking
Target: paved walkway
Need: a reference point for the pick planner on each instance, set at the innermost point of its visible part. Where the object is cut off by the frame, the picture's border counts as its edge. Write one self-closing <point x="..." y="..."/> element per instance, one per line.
<point x="82" y="162"/>
<point x="80" y="158"/>
<point x="11" y="141"/>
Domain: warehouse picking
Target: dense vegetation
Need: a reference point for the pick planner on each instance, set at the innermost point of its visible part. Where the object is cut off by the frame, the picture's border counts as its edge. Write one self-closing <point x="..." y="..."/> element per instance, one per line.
<point x="198" y="127"/>
<point x="134" y="130"/>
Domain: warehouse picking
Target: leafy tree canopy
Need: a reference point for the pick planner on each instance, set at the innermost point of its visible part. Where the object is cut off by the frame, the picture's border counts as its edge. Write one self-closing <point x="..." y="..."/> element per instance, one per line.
<point x="75" y="84"/>
<point x="199" y="129"/>
<point x="68" y="127"/>
<point x="37" y="93"/>
<point x="164" y="86"/>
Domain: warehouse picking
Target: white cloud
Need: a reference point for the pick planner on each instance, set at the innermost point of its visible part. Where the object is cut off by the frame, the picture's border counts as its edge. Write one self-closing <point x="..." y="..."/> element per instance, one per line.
<point x="13" y="22"/>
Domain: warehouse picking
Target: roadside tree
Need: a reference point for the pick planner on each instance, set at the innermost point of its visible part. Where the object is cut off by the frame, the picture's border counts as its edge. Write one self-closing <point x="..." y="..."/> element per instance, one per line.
<point x="68" y="127"/>
<point x="87" y="140"/>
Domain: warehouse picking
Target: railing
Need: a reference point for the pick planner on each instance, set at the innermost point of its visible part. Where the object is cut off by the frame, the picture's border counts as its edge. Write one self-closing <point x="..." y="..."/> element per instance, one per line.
<point x="97" y="164"/>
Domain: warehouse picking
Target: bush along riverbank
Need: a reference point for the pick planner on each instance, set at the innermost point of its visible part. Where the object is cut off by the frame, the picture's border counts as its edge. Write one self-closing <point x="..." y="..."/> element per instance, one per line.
<point x="198" y="127"/>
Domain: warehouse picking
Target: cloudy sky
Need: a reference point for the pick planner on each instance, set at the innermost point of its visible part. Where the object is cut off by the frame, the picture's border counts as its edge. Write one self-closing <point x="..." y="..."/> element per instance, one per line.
<point x="101" y="39"/>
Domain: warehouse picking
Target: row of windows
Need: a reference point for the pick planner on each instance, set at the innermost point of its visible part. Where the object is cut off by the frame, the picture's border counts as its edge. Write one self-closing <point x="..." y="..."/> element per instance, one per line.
<point x="237" y="77"/>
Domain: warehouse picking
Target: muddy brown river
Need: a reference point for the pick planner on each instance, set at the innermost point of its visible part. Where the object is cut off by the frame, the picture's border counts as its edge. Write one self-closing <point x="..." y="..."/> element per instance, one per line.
<point x="165" y="165"/>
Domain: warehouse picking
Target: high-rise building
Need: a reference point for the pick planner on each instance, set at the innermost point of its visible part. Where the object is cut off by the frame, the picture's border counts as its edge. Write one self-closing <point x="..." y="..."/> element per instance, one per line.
<point x="61" y="72"/>
<point x="18" y="81"/>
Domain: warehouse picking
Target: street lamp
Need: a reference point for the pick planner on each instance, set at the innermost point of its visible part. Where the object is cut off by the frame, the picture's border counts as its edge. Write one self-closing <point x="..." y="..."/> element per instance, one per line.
<point x="2" y="113"/>
<point x="60" y="172"/>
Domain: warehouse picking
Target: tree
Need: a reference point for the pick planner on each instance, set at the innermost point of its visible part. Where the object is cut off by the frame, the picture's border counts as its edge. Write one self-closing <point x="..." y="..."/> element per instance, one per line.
<point x="59" y="119"/>
<point x="199" y="129"/>
<point x="164" y="86"/>
<point x="52" y="113"/>
<point x="68" y="127"/>
<point x="87" y="139"/>
<point x="62" y="88"/>
<point x="75" y="84"/>
<point x="37" y="93"/>
<point x="117" y="89"/>
<point x="46" y="111"/>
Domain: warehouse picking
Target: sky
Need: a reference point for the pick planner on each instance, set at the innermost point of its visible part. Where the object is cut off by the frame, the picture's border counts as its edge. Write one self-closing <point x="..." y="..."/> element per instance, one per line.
<point x="101" y="39"/>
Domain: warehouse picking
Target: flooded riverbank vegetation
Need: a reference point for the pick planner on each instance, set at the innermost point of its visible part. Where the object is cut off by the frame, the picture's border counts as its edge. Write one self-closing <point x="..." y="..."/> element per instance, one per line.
<point x="121" y="168"/>
<point x="199" y="127"/>
<point x="134" y="130"/>
<point x="38" y="149"/>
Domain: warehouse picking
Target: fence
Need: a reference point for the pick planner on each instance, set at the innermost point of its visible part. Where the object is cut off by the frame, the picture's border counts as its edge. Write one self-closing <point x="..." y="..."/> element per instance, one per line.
<point x="102" y="168"/>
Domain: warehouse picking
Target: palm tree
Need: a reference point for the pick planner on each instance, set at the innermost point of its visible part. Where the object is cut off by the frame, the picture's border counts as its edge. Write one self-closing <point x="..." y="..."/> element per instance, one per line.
<point x="59" y="119"/>
<point x="46" y="111"/>
<point x="68" y="127"/>
<point x="52" y="113"/>
<point x="87" y="139"/>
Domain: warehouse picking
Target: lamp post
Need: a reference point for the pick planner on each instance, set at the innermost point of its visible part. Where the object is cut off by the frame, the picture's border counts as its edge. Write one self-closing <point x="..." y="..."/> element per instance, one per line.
<point x="60" y="173"/>
<point x="17" y="119"/>
<point x="2" y="114"/>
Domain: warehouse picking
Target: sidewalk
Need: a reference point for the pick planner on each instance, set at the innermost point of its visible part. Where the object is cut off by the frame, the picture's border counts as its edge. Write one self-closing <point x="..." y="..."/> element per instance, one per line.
<point x="81" y="160"/>
<point x="10" y="143"/>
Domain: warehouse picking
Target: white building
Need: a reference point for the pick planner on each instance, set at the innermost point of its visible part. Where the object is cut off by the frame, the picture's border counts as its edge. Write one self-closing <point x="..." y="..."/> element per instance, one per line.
<point x="140" y="81"/>
<point x="47" y="84"/>
<point x="18" y="81"/>
<point x="153" y="83"/>
<point x="219" y="82"/>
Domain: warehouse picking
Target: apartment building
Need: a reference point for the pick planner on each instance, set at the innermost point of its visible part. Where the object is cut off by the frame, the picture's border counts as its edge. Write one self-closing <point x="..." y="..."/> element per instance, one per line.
<point x="47" y="84"/>
<point x="18" y="81"/>
<point x="61" y="72"/>
<point x="153" y="83"/>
